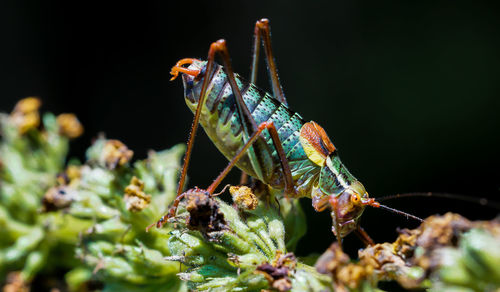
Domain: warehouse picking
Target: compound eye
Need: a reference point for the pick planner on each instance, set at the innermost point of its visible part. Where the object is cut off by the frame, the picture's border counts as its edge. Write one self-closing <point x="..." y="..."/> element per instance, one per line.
<point x="355" y="198"/>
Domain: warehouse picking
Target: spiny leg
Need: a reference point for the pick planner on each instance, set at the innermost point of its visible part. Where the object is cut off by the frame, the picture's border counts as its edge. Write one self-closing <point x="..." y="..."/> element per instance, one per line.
<point x="214" y="48"/>
<point x="169" y="214"/>
<point x="269" y="125"/>
<point x="289" y="186"/>
<point x="262" y="32"/>
<point x="246" y="117"/>
<point x="243" y="178"/>
<point x="320" y="204"/>
<point x="217" y="181"/>
<point x="245" y="114"/>
<point x="220" y="48"/>
<point x="248" y="122"/>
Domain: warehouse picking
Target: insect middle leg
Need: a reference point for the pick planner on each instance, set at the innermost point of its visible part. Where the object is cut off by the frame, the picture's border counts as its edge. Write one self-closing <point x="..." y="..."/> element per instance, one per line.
<point x="320" y="204"/>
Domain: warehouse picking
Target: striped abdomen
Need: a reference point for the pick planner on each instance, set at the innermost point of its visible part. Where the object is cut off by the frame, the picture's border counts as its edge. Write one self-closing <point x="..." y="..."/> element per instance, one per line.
<point x="221" y="120"/>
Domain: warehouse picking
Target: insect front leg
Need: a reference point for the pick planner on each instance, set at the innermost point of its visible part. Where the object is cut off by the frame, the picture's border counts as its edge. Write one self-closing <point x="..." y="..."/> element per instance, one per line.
<point x="320" y="204"/>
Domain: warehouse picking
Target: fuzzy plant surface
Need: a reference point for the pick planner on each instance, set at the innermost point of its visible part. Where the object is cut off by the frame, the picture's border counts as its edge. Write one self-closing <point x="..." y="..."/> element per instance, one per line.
<point x="83" y="226"/>
<point x="32" y="152"/>
<point x="84" y="221"/>
<point x="122" y="200"/>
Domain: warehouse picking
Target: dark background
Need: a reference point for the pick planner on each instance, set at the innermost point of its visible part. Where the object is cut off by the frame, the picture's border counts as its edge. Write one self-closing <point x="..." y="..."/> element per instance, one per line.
<point x="407" y="90"/>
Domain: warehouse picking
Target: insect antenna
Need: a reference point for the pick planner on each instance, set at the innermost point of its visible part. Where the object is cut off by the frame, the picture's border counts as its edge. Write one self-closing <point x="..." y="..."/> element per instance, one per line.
<point x="479" y="201"/>
<point x="376" y="204"/>
<point x="407" y="215"/>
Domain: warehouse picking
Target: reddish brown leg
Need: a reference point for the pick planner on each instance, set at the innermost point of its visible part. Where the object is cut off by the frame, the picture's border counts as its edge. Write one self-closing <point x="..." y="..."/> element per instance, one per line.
<point x="248" y="122"/>
<point x="289" y="189"/>
<point x="170" y="214"/>
<point x="220" y="48"/>
<point x="194" y="125"/>
<point x="365" y="238"/>
<point x="261" y="28"/>
<point x="262" y="32"/>
<point x="287" y="173"/>
<point x="288" y="178"/>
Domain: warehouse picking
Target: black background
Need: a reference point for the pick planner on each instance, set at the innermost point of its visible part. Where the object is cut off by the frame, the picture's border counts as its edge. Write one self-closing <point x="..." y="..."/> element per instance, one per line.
<point x="407" y="90"/>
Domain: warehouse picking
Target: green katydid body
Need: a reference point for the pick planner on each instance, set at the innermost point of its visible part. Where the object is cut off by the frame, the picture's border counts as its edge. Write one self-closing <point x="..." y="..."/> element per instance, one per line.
<point x="316" y="169"/>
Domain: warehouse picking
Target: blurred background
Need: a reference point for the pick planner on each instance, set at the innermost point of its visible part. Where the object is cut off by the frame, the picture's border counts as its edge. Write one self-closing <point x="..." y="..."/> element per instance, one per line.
<point x="407" y="90"/>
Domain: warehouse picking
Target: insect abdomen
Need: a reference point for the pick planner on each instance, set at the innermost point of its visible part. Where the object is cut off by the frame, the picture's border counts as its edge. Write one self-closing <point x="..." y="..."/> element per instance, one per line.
<point x="220" y="119"/>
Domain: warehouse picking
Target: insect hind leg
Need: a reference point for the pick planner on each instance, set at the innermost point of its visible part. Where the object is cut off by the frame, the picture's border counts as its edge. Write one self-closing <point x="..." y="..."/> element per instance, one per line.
<point x="248" y="122"/>
<point x="269" y="125"/>
<point x="210" y="190"/>
<point x="262" y="33"/>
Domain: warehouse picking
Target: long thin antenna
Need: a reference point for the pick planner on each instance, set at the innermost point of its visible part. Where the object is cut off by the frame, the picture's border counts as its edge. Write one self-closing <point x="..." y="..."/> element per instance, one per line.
<point x="479" y="201"/>
<point x="401" y="213"/>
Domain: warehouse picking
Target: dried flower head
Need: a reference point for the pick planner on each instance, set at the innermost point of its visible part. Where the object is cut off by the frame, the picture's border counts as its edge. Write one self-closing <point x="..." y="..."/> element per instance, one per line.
<point x="27" y="105"/>
<point x="25" y="114"/>
<point x="345" y="274"/>
<point x="420" y="252"/>
<point x="15" y="283"/>
<point x="115" y="154"/>
<point x="69" y="126"/>
<point x="243" y="197"/>
<point x="135" y="197"/>
<point x="71" y="176"/>
<point x="57" y="198"/>
<point x="204" y="212"/>
<point x="277" y="273"/>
